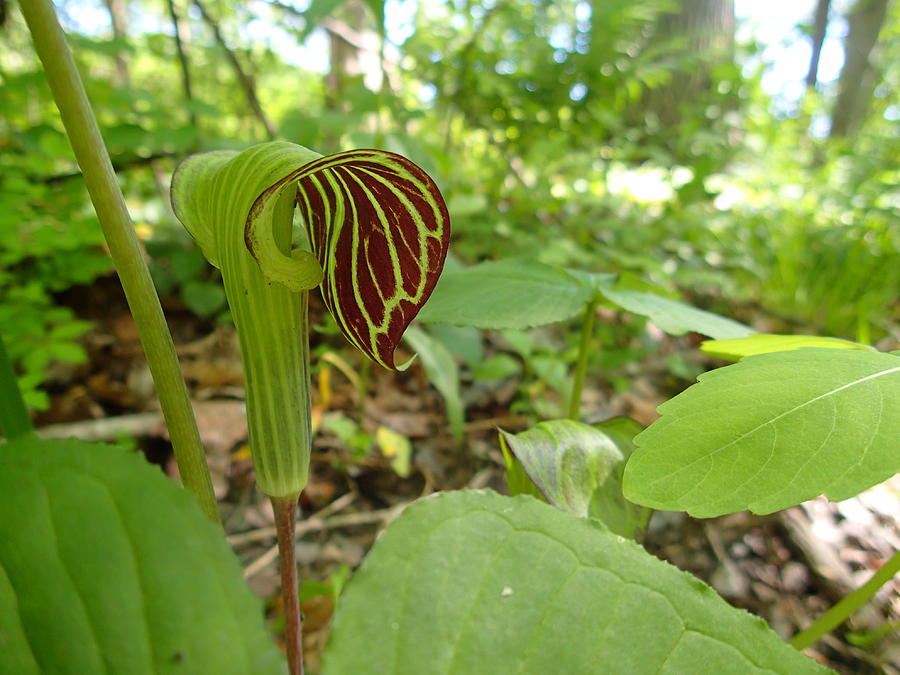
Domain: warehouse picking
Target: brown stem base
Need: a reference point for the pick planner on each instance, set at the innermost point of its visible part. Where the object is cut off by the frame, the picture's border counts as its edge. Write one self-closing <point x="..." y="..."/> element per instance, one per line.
<point x="285" y="510"/>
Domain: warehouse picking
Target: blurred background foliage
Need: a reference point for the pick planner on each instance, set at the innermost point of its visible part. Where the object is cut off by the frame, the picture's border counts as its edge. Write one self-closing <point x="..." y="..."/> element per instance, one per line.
<point x="607" y="135"/>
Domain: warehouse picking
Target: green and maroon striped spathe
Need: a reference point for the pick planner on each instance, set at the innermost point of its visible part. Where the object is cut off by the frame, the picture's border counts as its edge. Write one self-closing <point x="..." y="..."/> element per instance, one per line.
<point x="380" y="230"/>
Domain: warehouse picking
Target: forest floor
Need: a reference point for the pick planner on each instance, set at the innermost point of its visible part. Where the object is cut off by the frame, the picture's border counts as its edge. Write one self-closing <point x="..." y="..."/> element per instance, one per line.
<point x="787" y="567"/>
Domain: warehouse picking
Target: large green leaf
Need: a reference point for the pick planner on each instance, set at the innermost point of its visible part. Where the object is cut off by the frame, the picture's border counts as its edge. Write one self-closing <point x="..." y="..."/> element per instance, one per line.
<point x="106" y="566"/>
<point x="734" y="349"/>
<point x="505" y="294"/>
<point x="770" y="432"/>
<point x="675" y="317"/>
<point x="473" y="582"/>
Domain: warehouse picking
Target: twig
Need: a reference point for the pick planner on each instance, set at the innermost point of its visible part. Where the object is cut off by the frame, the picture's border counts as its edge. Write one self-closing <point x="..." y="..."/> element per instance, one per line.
<point x="316" y="525"/>
<point x="118" y="164"/>
<point x="262" y="533"/>
<point x="113" y="428"/>
<point x="244" y="79"/>
<point x="183" y="60"/>
<point x="823" y="559"/>
<point x="106" y="428"/>
<point x="491" y="422"/>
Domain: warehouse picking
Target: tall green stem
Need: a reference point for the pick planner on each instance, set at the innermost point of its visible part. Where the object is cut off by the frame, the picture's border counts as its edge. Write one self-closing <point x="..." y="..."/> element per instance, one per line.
<point x="14" y="420"/>
<point x="835" y="616"/>
<point x="587" y="332"/>
<point x="84" y="135"/>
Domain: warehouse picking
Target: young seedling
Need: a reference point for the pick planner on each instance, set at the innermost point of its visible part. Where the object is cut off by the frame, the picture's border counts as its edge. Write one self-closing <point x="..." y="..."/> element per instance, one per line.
<point x="378" y="229"/>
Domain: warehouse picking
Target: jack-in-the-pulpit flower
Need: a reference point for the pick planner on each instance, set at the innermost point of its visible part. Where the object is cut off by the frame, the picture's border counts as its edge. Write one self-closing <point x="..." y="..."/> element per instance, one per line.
<point x="378" y="230"/>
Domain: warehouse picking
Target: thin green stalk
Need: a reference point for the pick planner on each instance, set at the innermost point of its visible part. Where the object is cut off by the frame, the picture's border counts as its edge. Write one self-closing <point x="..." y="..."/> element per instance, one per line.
<point x="84" y="135"/>
<point x="835" y="616"/>
<point x="587" y="332"/>
<point x="14" y="420"/>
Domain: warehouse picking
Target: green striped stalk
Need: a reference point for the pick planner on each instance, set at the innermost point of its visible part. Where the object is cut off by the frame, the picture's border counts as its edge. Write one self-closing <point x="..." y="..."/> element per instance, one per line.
<point x="379" y="230"/>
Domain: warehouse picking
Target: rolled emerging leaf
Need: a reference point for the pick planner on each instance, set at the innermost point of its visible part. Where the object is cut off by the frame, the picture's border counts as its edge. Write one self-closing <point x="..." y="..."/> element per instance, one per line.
<point x="379" y="231"/>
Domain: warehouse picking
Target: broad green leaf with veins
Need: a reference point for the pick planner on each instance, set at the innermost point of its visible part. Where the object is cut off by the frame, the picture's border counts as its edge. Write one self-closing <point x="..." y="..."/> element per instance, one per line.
<point x="379" y="232"/>
<point x="107" y="566"/>
<point x="675" y="317"/>
<point x="576" y="468"/>
<point x="770" y="432"/>
<point x="473" y="583"/>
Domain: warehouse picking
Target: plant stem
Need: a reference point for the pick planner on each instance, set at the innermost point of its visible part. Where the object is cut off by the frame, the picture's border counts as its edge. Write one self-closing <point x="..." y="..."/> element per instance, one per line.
<point x="14" y="419"/>
<point x="587" y="331"/>
<point x="835" y="616"/>
<point x="84" y="135"/>
<point x="285" y="509"/>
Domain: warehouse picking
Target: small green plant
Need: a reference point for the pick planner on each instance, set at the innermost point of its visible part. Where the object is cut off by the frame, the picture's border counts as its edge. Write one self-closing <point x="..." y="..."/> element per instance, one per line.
<point x="43" y="252"/>
<point x="106" y="566"/>
<point x="488" y="296"/>
<point x="510" y="585"/>
<point x="378" y="232"/>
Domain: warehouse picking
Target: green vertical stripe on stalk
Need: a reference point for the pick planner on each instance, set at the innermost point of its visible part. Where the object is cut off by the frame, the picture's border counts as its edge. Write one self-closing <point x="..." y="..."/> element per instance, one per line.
<point x="106" y="196"/>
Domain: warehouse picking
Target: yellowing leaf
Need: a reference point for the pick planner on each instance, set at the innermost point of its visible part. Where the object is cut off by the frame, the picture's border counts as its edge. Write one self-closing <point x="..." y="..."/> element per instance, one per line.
<point x="396" y="447"/>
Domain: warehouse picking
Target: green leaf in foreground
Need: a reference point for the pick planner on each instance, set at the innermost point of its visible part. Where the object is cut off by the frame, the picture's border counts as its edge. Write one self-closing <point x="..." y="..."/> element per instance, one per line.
<point x="675" y="317"/>
<point x="770" y="432"/>
<point x="505" y="294"/>
<point x="473" y="582"/>
<point x="734" y="349"/>
<point x="577" y="468"/>
<point x="106" y="566"/>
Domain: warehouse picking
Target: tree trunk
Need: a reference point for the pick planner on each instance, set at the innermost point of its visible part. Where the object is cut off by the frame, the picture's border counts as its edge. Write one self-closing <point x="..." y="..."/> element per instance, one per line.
<point x="820" y="28"/>
<point x="857" y="78"/>
<point x="345" y="36"/>
<point x="348" y="30"/>
<point x="181" y="50"/>
<point x="118" y="16"/>
<point x="705" y="29"/>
